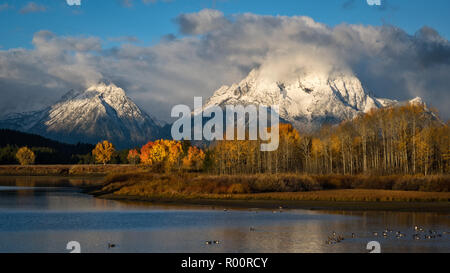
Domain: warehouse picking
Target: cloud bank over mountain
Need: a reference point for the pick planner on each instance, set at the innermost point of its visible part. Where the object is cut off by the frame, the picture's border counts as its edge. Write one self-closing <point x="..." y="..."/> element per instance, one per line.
<point x="212" y="49"/>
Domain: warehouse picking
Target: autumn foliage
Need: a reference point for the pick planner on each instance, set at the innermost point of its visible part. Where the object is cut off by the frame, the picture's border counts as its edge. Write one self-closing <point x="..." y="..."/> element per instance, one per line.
<point x="245" y="156"/>
<point x="25" y="156"/>
<point x="401" y="140"/>
<point x="194" y="159"/>
<point x="169" y="155"/>
<point x="407" y="139"/>
<point x="103" y="152"/>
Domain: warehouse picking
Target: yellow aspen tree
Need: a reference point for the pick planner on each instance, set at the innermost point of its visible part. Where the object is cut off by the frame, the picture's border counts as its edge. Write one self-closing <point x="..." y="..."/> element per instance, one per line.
<point x="103" y="152"/>
<point x="25" y="156"/>
<point x="194" y="159"/>
<point x="175" y="153"/>
<point x="316" y="151"/>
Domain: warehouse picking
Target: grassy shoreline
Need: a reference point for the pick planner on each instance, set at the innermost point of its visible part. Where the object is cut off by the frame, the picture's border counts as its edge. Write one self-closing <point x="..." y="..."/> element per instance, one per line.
<point x="294" y="191"/>
<point x="441" y="207"/>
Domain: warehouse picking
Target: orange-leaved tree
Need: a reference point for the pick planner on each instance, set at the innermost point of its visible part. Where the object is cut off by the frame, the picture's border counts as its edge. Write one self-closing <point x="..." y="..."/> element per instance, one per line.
<point x="103" y="152"/>
<point x="145" y="156"/>
<point x="162" y="154"/>
<point x="25" y="156"/>
<point x="153" y="153"/>
<point x="133" y="156"/>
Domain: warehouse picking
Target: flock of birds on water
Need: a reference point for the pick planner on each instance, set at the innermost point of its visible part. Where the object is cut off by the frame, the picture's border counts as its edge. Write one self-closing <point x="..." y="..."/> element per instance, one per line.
<point x="419" y="234"/>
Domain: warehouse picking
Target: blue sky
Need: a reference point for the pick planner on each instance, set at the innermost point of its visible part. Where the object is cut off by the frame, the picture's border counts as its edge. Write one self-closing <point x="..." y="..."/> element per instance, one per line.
<point x="149" y="22"/>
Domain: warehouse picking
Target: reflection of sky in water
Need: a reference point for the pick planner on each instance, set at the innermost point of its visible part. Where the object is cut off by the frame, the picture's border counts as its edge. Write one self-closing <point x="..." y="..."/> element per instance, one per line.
<point x="45" y="219"/>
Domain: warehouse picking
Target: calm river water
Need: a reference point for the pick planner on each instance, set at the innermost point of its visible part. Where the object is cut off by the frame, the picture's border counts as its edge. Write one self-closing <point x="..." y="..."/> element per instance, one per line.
<point x="46" y="218"/>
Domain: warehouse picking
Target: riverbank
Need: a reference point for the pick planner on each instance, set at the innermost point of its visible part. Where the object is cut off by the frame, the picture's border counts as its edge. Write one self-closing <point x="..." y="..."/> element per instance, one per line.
<point x="281" y="190"/>
<point x="276" y="204"/>
<point x="66" y="170"/>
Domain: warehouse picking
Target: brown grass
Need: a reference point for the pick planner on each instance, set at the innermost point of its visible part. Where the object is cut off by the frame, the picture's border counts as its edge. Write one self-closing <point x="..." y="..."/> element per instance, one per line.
<point x="353" y="196"/>
<point x="431" y="183"/>
<point x="278" y="187"/>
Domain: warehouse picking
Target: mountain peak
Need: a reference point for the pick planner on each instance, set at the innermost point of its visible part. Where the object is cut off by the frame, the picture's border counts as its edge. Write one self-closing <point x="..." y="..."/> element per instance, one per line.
<point x="105" y="87"/>
<point x="101" y="112"/>
<point x="307" y="99"/>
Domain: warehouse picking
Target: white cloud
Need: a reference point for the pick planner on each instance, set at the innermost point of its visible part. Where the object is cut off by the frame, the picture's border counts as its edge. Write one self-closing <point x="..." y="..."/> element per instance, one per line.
<point x="390" y="62"/>
<point x="204" y="21"/>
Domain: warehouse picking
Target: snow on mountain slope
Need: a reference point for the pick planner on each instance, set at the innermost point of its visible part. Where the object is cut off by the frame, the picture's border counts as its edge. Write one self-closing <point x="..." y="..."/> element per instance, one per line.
<point x="101" y="112"/>
<point x="306" y="100"/>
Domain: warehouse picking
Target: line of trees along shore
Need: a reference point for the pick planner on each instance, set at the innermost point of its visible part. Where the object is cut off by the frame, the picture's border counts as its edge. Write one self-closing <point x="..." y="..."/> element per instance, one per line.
<point x="400" y="140"/>
<point x="407" y="139"/>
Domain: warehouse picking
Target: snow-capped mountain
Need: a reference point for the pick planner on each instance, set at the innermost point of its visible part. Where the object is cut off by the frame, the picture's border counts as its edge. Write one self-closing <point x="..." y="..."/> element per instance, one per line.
<point x="101" y="112"/>
<point x="305" y="100"/>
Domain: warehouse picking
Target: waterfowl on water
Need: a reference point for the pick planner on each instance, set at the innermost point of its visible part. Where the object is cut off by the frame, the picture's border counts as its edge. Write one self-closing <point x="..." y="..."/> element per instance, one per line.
<point x="111" y="245"/>
<point x="417" y="228"/>
<point x="334" y="239"/>
<point x="208" y="242"/>
<point x="216" y="242"/>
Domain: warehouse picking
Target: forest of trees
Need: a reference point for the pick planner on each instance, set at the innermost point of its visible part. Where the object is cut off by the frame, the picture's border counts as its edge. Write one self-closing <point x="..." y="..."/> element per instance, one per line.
<point x="407" y="139"/>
